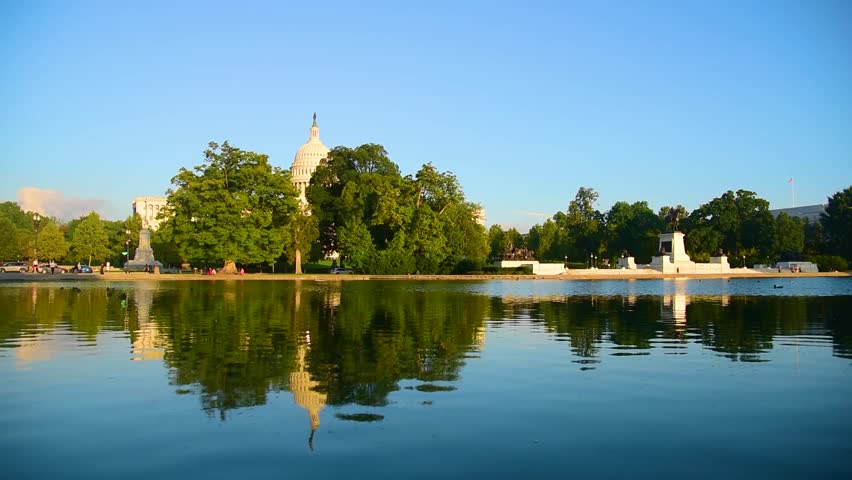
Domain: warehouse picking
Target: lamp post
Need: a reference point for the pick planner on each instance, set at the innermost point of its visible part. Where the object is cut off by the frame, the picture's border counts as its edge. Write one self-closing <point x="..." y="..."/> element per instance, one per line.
<point x="36" y="219"/>
<point x="127" y="251"/>
<point x="566" y="261"/>
<point x="744" y="261"/>
<point x="594" y="261"/>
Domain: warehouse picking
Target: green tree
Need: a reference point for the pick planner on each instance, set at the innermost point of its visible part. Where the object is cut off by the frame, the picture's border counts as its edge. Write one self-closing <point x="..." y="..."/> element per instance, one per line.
<point x="51" y="241"/>
<point x="544" y="240"/>
<point x="837" y="223"/>
<point x="634" y="228"/>
<point x="814" y="238"/>
<point x="581" y="225"/>
<point x="496" y="241"/>
<point x="347" y="189"/>
<point x="10" y="248"/>
<point x="790" y="237"/>
<point x="738" y="223"/>
<point x="89" y="238"/>
<point x="21" y="219"/>
<point x="17" y="232"/>
<point x="235" y="207"/>
<point x="116" y="233"/>
<point x="303" y="233"/>
<point x="466" y="239"/>
<point x="382" y="222"/>
<point x="165" y="249"/>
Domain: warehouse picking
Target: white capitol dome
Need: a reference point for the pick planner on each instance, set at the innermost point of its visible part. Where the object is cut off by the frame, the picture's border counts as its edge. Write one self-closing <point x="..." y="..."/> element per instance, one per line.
<point x="307" y="159"/>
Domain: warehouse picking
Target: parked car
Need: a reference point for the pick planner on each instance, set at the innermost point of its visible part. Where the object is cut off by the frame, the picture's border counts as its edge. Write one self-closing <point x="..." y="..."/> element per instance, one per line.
<point x="45" y="268"/>
<point x="341" y="270"/>
<point x="13" y="267"/>
<point x="83" y="269"/>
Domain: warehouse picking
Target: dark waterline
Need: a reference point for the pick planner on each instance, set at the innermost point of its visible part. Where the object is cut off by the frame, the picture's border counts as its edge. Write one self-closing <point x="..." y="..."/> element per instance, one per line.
<point x="500" y="379"/>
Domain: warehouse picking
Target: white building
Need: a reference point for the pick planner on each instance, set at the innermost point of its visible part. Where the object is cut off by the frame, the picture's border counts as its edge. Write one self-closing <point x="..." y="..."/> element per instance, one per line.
<point x="307" y="159"/>
<point x="148" y="209"/>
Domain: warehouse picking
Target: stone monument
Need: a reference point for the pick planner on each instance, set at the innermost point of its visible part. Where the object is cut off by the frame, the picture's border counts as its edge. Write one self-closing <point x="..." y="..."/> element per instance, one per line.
<point x="144" y="256"/>
<point x="672" y="257"/>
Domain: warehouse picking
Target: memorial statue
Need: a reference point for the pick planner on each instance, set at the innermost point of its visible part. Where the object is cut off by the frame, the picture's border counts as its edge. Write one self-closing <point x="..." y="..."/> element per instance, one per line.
<point x="673" y="218"/>
<point x="512" y="253"/>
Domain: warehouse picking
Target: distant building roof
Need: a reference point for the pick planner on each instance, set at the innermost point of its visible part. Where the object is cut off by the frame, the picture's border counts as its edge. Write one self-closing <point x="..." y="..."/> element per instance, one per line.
<point x="810" y="213"/>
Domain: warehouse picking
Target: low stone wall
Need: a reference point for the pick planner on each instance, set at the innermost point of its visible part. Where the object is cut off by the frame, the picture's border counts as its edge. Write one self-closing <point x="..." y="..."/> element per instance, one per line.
<point x="549" y="269"/>
<point x="537" y="268"/>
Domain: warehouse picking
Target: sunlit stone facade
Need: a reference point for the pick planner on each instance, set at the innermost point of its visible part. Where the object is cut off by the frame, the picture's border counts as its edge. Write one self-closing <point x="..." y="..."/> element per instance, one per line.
<point x="148" y="209"/>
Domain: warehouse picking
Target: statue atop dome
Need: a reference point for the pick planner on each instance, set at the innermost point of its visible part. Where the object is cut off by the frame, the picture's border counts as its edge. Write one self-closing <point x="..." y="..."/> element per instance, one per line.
<point x="315" y="119"/>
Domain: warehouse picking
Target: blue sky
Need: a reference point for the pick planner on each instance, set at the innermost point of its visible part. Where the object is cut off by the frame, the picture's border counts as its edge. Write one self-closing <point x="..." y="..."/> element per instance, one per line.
<point x="668" y="102"/>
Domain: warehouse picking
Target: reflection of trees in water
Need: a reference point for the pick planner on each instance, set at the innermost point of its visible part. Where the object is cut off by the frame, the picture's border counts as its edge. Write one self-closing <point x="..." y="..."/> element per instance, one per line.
<point x="236" y="345"/>
<point x="836" y="315"/>
<point x="381" y="333"/>
<point x="587" y="321"/>
<point x="233" y="343"/>
<point x="740" y="328"/>
<point x="26" y="311"/>
<point x="739" y="331"/>
<point x="747" y="326"/>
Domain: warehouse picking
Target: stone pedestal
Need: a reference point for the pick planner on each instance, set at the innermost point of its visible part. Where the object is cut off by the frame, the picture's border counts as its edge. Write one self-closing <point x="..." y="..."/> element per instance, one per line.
<point x="144" y="255"/>
<point x="673" y="257"/>
<point x="627" y="262"/>
<point x="722" y="262"/>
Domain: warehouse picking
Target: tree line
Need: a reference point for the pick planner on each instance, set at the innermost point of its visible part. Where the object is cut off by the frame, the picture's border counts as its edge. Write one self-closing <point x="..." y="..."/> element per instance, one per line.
<point x="739" y="224"/>
<point x="238" y="209"/>
<point x="88" y="239"/>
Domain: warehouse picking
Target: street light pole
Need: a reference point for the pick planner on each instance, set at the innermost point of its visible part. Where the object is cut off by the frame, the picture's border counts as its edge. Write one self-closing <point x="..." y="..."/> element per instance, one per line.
<point x="36" y="219"/>
<point x="127" y="252"/>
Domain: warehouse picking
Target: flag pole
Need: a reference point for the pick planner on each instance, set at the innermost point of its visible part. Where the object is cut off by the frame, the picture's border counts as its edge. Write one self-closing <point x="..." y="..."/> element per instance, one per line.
<point x="793" y="190"/>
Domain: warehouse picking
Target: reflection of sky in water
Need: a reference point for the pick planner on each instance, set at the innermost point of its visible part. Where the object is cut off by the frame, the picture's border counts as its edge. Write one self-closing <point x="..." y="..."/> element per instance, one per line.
<point x="782" y="286"/>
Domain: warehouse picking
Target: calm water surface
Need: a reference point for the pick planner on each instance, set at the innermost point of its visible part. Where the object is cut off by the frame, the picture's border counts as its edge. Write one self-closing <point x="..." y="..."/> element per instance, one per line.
<point x="366" y="379"/>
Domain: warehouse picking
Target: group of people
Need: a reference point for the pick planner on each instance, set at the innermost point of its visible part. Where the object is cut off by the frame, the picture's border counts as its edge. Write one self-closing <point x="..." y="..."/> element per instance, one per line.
<point x="51" y="265"/>
<point x="212" y="271"/>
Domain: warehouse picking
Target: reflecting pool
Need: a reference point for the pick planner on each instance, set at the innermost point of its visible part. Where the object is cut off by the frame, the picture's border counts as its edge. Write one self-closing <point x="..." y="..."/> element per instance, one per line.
<point x="403" y="379"/>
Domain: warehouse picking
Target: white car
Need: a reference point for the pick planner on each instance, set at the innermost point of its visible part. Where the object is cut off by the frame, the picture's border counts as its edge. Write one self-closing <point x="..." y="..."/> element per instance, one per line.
<point x="341" y="270"/>
<point x="13" y="267"/>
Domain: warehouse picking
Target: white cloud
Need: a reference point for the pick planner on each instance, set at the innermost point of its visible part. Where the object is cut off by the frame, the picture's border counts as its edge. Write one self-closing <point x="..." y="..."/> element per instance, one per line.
<point x="533" y="214"/>
<point x="52" y="203"/>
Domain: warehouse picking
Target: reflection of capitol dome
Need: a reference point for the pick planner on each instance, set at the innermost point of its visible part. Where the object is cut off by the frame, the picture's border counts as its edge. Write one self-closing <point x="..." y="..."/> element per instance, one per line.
<point x="307" y="160"/>
<point x="302" y="387"/>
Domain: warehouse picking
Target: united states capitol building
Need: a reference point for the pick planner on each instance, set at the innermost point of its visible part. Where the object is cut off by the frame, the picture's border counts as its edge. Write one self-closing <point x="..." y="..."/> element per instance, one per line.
<point x="306" y="161"/>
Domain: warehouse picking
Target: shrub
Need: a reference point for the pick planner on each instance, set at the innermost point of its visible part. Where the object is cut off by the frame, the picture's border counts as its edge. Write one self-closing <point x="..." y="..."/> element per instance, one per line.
<point x="469" y="265"/>
<point x="829" y="263"/>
